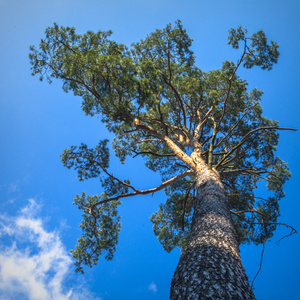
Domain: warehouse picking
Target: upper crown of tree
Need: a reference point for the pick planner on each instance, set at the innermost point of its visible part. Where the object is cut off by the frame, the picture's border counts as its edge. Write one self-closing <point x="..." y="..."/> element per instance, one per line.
<point x="161" y="106"/>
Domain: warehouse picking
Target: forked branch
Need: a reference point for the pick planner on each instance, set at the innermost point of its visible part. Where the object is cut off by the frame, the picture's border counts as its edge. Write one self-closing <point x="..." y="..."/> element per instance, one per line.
<point x="199" y="126"/>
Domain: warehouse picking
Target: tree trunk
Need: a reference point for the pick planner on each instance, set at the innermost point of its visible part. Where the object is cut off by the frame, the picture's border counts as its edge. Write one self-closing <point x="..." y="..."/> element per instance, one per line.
<point x="210" y="266"/>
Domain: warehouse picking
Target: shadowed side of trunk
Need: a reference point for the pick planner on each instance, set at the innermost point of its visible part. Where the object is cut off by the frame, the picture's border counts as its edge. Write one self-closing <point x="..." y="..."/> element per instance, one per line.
<point x="210" y="266"/>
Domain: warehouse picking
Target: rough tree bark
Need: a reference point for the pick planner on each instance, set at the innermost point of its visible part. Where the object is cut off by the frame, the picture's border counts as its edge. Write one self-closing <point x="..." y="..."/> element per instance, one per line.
<point x="210" y="266"/>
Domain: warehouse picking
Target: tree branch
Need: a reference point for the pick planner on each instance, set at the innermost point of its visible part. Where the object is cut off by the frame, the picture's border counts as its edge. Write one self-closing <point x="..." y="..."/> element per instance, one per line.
<point x="261" y="260"/>
<point x="176" y="94"/>
<point x="235" y="125"/>
<point x="177" y="151"/>
<point x="152" y="153"/>
<point x="184" y="204"/>
<point x="244" y="139"/>
<point x="199" y="126"/>
<point x="105" y="171"/>
<point x="183" y="136"/>
<point x="145" y="192"/>
<point x="211" y="146"/>
<point x="229" y="89"/>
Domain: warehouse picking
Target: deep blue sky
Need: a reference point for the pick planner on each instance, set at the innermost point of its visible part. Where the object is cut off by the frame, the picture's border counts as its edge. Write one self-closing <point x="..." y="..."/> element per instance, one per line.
<point x="38" y="121"/>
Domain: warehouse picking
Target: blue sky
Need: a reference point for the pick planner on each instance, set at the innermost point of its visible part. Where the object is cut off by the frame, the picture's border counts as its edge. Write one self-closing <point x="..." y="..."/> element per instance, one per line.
<point x="39" y="224"/>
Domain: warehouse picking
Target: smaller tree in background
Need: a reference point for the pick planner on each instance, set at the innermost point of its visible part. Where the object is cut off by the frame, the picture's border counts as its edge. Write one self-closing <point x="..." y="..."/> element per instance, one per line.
<point x="203" y="131"/>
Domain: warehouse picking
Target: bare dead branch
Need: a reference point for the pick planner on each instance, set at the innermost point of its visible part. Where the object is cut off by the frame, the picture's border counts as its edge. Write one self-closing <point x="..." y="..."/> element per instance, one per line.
<point x="261" y="261"/>
<point x="293" y="231"/>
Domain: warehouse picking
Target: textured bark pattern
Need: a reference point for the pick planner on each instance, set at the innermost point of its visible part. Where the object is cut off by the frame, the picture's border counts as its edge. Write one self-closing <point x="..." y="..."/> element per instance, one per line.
<point x="210" y="266"/>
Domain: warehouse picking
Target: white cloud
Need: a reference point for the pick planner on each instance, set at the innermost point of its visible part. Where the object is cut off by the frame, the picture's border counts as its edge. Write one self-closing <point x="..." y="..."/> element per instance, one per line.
<point x="152" y="287"/>
<point x="36" y="264"/>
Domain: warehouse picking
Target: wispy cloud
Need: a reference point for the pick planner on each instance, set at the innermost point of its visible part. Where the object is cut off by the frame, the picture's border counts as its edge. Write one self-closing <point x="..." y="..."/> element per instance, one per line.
<point x="152" y="287"/>
<point x="35" y="264"/>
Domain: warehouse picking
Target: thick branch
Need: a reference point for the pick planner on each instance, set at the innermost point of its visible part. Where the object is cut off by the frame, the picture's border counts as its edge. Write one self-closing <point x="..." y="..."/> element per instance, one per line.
<point x="177" y="151"/>
<point x="183" y="136"/>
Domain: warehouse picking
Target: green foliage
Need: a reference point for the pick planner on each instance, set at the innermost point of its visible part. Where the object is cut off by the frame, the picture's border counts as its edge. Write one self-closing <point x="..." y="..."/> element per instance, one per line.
<point x="100" y="228"/>
<point x="100" y="225"/>
<point x="259" y="52"/>
<point x="172" y="221"/>
<point x="153" y="91"/>
<point x="87" y="162"/>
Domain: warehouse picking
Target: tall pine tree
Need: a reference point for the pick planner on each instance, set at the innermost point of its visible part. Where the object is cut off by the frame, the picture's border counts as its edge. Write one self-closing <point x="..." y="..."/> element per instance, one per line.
<point x="203" y="131"/>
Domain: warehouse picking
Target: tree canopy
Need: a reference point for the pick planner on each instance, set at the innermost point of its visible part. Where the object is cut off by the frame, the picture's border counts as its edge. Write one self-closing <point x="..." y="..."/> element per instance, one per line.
<point x="161" y="106"/>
